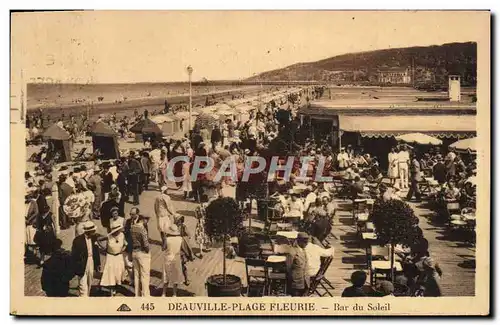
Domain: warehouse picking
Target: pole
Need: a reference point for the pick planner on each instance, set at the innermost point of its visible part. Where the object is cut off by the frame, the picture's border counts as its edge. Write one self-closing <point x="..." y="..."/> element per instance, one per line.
<point x="190" y="98"/>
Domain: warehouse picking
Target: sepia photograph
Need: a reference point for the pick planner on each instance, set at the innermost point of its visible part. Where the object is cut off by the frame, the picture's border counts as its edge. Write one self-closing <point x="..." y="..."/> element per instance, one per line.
<point x="283" y="162"/>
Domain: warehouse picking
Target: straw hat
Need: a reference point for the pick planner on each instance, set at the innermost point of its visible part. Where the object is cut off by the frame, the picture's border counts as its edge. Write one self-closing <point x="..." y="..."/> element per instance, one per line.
<point x="173" y="230"/>
<point x="302" y="236"/>
<point x="89" y="226"/>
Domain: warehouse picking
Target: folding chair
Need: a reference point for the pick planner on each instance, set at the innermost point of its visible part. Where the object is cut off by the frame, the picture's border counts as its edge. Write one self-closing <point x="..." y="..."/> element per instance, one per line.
<point x="320" y="280"/>
<point x="256" y="276"/>
<point x="80" y="155"/>
<point x="379" y="262"/>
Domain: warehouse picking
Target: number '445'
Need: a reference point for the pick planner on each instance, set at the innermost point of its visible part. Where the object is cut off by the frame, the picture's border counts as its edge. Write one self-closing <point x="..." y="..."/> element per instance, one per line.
<point x="148" y="306"/>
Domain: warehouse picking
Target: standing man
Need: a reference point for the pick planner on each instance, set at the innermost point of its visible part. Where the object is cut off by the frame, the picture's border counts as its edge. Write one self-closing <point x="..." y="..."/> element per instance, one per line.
<point x="141" y="258"/>
<point x="146" y="170"/>
<point x="439" y="170"/>
<point x="65" y="191"/>
<point x="216" y="137"/>
<point x="415" y="178"/>
<point x="134" y="173"/>
<point x="107" y="180"/>
<point x="55" y="207"/>
<point x="86" y="259"/>
<point x="343" y="159"/>
<point x="403" y="161"/>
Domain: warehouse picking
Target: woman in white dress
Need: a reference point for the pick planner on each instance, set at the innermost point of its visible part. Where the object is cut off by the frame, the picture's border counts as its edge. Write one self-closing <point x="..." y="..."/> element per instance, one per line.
<point x="393" y="171"/>
<point x="187" y="187"/>
<point x="172" y="262"/>
<point x="114" y="268"/>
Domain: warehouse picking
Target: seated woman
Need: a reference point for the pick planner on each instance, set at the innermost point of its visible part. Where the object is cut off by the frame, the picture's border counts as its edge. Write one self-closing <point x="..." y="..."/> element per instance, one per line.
<point x="451" y="192"/>
<point x="374" y="173"/>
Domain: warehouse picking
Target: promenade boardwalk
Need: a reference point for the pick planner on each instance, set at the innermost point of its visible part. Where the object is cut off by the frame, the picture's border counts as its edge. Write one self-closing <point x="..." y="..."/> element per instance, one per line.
<point x="456" y="259"/>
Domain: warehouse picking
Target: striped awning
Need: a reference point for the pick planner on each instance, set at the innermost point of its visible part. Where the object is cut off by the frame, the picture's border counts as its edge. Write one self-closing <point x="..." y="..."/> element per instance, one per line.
<point x="441" y="126"/>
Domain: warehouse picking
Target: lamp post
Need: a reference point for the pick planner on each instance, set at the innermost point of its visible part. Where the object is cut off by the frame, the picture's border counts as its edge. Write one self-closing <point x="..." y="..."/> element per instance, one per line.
<point x="190" y="72"/>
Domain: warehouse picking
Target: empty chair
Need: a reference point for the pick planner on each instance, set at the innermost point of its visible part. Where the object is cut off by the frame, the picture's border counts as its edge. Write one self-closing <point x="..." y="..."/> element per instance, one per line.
<point x="256" y="277"/>
<point x="379" y="262"/>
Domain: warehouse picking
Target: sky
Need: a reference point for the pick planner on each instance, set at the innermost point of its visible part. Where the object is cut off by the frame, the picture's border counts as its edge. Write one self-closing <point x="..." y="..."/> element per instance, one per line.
<point x="157" y="46"/>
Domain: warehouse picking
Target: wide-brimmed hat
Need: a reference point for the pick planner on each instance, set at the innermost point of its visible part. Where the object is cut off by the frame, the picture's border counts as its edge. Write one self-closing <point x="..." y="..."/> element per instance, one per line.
<point x="173" y="230"/>
<point x="89" y="226"/>
<point x="114" y="209"/>
<point x="164" y="188"/>
<point x="302" y="236"/>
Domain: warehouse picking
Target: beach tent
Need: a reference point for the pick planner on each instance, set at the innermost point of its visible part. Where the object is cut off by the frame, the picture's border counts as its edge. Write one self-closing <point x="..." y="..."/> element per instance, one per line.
<point x="58" y="141"/>
<point x="146" y="127"/>
<point x="419" y="138"/>
<point x="104" y="138"/>
<point x="465" y="145"/>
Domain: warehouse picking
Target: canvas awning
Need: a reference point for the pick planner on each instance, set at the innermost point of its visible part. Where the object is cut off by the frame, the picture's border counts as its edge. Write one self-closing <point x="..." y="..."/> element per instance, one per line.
<point x="101" y="129"/>
<point x="465" y="145"/>
<point x="394" y="125"/>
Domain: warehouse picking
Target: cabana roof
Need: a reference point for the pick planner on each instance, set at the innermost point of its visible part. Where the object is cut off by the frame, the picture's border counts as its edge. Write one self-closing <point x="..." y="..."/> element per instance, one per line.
<point x="55" y="132"/>
<point x="102" y="129"/>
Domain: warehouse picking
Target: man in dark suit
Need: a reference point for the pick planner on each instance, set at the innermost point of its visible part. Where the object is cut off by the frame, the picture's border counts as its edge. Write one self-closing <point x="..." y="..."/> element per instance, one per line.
<point x="86" y="259"/>
<point x="134" y="172"/>
<point x="65" y="190"/>
<point x="439" y="170"/>
<point x="415" y="178"/>
<point x="215" y="137"/>
<point x="107" y="179"/>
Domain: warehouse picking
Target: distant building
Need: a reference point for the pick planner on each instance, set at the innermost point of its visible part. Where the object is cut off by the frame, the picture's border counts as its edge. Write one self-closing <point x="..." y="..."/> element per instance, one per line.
<point x="394" y="76"/>
<point x="454" y="92"/>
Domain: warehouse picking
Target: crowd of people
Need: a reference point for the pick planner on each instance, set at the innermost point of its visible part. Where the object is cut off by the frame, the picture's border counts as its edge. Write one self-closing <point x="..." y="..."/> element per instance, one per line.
<point x="79" y="197"/>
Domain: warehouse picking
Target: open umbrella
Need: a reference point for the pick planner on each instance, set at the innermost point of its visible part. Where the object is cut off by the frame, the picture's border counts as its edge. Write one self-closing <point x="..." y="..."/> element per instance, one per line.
<point x="419" y="138"/>
<point x="465" y="145"/>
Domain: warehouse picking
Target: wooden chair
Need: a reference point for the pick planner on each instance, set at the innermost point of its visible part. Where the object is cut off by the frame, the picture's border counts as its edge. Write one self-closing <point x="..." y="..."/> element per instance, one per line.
<point x="455" y="215"/>
<point x="379" y="262"/>
<point x="256" y="276"/>
<point x="319" y="280"/>
<point x="360" y="213"/>
<point x="266" y="244"/>
<point x="277" y="274"/>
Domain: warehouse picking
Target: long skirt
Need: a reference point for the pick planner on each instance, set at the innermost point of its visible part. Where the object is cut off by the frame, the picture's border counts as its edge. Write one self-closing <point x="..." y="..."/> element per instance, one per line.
<point x="30" y="235"/>
<point x="186" y="185"/>
<point x="393" y="172"/>
<point x="172" y="263"/>
<point x="114" y="270"/>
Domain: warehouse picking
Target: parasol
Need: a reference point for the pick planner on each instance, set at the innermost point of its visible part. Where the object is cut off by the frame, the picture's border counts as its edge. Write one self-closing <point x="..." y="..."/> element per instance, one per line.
<point x="465" y="145"/>
<point x="419" y="138"/>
